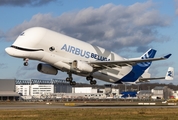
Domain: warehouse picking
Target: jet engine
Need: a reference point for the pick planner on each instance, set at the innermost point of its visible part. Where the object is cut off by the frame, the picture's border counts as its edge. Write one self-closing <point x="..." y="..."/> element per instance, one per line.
<point x="47" y="69"/>
<point x="81" y="66"/>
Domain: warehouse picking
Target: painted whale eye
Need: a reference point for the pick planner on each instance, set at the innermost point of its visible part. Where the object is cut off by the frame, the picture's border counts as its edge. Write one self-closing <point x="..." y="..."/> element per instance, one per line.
<point x="52" y="48"/>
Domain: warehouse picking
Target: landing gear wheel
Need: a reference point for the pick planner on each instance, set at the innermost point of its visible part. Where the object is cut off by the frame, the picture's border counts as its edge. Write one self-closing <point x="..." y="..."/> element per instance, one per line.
<point x="93" y="82"/>
<point x="69" y="79"/>
<point x="89" y="78"/>
<point x="25" y="63"/>
<point x="72" y="83"/>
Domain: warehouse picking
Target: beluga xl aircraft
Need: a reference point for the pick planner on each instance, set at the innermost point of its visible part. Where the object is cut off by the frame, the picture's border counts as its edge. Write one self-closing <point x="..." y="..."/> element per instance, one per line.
<point x="60" y="52"/>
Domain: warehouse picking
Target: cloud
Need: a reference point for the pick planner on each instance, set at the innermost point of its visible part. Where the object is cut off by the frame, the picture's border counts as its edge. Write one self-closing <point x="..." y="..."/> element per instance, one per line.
<point x="142" y="48"/>
<point x="22" y="3"/>
<point x="109" y="26"/>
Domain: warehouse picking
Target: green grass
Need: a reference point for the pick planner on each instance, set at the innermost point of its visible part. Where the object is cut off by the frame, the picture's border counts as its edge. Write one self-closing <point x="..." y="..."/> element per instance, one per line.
<point x="91" y="114"/>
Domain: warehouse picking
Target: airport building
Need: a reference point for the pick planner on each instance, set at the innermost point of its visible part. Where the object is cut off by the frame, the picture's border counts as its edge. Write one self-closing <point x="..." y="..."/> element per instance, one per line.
<point x="61" y="89"/>
<point x="12" y="89"/>
<point x="96" y="92"/>
<point x="36" y="87"/>
<point x="7" y="90"/>
<point x="162" y="92"/>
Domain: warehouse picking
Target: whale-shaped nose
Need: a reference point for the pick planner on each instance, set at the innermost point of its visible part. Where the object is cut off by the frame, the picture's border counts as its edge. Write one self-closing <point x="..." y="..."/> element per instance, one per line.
<point x="9" y="51"/>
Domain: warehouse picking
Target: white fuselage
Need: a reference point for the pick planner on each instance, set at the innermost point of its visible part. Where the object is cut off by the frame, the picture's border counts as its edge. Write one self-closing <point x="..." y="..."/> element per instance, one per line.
<point x="60" y="50"/>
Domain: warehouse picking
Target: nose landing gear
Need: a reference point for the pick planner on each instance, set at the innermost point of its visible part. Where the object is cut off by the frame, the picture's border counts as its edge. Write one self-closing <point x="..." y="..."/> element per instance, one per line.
<point x="25" y="61"/>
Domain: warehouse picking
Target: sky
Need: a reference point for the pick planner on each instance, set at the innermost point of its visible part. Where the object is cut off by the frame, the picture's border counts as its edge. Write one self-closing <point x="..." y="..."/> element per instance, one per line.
<point x="127" y="27"/>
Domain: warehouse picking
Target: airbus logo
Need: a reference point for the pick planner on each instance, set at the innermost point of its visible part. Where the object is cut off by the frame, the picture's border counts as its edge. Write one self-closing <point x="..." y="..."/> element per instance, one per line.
<point x="83" y="53"/>
<point x="170" y="74"/>
<point x="145" y="64"/>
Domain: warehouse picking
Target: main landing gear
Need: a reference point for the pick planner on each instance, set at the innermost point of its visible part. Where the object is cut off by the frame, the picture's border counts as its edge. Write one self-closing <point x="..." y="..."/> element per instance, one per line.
<point x="73" y="83"/>
<point x="70" y="79"/>
<point x="25" y="61"/>
<point x="92" y="82"/>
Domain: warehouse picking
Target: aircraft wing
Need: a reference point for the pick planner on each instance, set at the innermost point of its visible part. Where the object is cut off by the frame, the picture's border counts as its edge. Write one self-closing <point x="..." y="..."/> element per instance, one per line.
<point x="131" y="62"/>
<point x="169" y="76"/>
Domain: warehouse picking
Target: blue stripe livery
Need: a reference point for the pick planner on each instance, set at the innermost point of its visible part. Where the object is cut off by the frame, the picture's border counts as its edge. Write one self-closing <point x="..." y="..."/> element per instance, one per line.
<point x="139" y="68"/>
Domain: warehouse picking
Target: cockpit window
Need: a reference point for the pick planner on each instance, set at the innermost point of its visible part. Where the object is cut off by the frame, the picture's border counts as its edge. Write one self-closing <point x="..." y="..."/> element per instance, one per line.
<point x="22" y="33"/>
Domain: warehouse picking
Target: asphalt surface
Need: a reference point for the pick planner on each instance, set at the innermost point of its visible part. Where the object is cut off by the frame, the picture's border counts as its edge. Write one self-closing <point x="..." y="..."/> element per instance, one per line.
<point x="63" y="106"/>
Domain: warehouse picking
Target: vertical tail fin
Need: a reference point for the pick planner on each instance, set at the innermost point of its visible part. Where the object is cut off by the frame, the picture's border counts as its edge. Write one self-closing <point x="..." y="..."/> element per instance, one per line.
<point x="170" y="74"/>
<point x="149" y="54"/>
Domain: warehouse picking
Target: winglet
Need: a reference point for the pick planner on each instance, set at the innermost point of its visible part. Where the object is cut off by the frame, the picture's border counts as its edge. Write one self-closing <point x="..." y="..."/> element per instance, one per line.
<point x="167" y="56"/>
<point x="170" y="74"/>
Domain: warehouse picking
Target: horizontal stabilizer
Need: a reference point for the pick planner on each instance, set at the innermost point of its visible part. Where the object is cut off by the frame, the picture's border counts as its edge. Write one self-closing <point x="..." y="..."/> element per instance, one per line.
<point x="169" y="76"/>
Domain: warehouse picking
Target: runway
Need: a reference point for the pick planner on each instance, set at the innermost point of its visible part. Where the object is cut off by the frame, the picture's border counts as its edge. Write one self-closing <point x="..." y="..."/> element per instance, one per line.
<point x="63" y="106"/>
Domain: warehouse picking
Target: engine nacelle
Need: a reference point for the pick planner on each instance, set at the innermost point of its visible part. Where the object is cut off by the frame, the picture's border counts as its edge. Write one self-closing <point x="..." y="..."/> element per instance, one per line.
<point x="81" y="66"/>
<point x="47" y="69"/>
